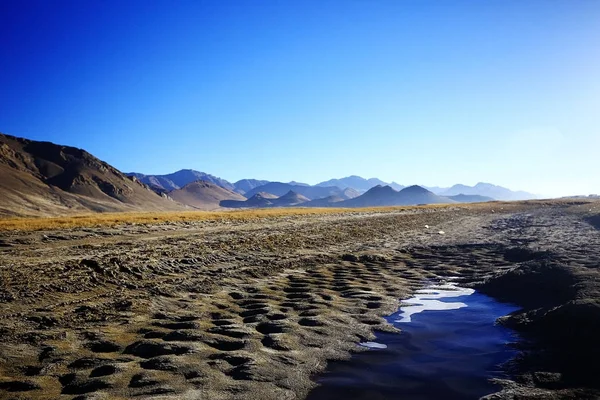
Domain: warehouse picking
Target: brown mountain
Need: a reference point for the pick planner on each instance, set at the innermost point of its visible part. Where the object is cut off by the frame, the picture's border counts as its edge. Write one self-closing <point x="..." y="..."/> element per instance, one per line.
<point x="204" y="195"/>
<point x="43" y="179"/>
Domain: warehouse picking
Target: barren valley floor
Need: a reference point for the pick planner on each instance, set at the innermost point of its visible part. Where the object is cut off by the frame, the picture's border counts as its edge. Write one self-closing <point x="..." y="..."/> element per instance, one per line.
<point x="231" y="309"/>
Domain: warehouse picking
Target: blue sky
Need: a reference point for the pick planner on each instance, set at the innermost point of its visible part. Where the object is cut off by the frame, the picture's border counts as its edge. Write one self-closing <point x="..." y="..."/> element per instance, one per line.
<point x="429" y="92"/>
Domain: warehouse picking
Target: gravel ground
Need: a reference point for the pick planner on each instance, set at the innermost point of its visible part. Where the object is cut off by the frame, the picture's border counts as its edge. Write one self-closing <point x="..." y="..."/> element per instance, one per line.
<point x="224" y="310"/>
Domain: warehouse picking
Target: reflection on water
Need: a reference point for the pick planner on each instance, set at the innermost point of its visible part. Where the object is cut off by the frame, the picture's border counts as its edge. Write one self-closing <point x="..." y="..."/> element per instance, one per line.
<point x="448" y="349"/>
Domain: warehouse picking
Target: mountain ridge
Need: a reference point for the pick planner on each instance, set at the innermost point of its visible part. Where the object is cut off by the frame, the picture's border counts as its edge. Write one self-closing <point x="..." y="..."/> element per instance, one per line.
<point x="44" y="178"/>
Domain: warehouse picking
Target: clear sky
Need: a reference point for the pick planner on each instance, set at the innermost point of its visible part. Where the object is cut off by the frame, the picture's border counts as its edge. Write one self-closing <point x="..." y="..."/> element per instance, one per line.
<point x="415" y="91"/>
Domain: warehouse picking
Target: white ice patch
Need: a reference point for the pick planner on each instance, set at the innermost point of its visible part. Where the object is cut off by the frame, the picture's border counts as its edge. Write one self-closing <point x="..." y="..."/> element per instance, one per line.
<point x="428" y="300"/>
<point x="374" y="345"/>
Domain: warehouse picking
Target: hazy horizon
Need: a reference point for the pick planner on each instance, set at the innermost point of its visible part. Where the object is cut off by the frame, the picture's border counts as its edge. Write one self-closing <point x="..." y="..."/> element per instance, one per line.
<point x="440" y="93"/>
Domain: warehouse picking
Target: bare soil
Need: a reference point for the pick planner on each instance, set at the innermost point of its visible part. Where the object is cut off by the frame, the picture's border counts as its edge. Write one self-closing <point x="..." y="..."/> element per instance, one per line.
<point x="253" y="309"/>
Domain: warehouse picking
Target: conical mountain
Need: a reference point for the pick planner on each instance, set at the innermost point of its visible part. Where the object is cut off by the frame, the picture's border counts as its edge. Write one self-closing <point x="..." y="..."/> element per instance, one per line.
<point x="291" y="198"/>
<point x="204" y="195"/>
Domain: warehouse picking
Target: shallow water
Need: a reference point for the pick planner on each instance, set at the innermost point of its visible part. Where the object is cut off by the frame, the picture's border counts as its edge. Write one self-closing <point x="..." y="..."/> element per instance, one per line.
<point x="448" y="349"/>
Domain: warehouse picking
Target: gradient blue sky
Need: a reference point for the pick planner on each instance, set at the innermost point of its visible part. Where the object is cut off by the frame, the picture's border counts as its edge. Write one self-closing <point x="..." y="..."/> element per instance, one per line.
<point x="429" y="92"/>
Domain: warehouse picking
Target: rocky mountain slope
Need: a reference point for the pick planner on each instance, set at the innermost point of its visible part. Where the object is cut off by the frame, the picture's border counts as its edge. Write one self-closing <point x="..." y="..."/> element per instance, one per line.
<point x="43" y="178"/>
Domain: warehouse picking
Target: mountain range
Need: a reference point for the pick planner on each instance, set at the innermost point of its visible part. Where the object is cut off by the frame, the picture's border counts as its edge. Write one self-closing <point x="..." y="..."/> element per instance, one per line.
<point x="43" y="178"/>
<point x="358" y="183"/>
<point x="179" y="179"/>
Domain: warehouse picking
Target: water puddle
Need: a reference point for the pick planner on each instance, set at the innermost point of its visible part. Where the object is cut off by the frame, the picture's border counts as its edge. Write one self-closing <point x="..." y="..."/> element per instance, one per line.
<point x="449" y="347"/>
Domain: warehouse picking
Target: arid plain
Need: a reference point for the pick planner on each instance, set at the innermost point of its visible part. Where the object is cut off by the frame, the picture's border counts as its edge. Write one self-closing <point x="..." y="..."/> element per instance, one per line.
<point x="253" y="305"/>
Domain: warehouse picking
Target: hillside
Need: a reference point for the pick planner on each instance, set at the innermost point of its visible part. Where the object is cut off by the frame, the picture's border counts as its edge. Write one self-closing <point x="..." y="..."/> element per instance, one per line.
<point x="204" y="195"/>
<point x="43" y="178"/>
<point x="179" y="179"/>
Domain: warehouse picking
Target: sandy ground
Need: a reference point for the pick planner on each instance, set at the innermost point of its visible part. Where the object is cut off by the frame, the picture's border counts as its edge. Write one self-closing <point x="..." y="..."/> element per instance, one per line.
<point x="229" y="310"/>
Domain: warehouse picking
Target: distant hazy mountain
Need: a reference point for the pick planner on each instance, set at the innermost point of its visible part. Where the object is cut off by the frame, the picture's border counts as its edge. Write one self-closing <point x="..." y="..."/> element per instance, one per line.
<point x="470" y="198"/>
<point x="331" y="201"/>
<point x="435" y="189"/>
<point x="310" y="192"/>
<point x="294" y="183"/>
<point x="386" y="196"/>
<point x="358" y="183"/>
<point x="179" y="179"/>
<point x="203" y="195"/>
<point x="244" y="185"/>
<point x="487" y="190"/>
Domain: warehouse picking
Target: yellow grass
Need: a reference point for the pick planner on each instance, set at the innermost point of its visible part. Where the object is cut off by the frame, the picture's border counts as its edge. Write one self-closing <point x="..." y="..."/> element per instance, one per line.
<point x="111" y="219"/>
<point x="130" y="218"/>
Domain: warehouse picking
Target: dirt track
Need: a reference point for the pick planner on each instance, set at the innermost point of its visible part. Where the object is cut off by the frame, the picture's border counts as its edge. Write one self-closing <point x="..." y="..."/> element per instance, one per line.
<point x="223" y="310"/>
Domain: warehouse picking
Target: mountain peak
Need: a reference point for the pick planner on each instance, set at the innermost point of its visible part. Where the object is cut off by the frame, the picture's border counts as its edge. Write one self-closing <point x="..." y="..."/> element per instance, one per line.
<point x="415" y="189"/>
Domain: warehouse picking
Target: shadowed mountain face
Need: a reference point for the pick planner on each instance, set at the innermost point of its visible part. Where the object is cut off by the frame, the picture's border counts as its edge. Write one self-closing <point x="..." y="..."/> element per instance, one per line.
<point x="179" y="179"/>
<point x="358" y="183"/>
<point x="311" y="192"/>
<point x="43" y="178"/>
<point x="204" y="195"/>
